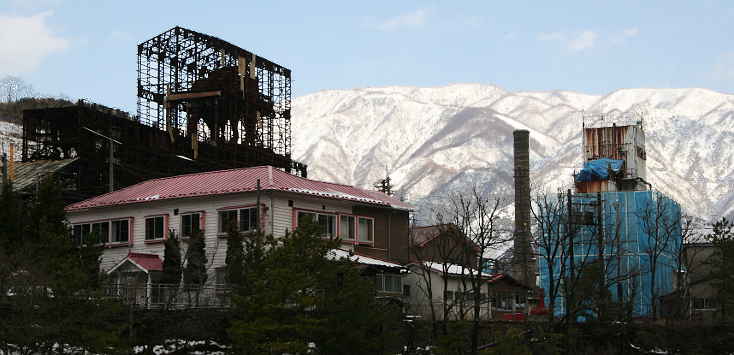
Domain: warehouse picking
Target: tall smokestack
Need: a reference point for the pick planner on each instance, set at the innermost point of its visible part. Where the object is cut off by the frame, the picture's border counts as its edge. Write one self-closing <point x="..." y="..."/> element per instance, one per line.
<point x="521" y="241"/>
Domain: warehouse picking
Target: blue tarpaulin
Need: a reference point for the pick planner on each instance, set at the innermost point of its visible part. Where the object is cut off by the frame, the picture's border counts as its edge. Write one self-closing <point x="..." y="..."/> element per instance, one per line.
<point x="598" y="169"/>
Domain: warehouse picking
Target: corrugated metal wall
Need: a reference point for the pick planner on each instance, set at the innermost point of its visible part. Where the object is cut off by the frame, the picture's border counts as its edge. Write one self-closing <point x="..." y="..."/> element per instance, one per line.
<point x="626" y="242"/>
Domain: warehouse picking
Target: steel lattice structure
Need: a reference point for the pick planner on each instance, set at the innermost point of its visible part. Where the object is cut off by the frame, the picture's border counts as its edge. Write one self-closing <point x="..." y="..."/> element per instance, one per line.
<point x="203" y="105"/>
<point x="211" y="91"/>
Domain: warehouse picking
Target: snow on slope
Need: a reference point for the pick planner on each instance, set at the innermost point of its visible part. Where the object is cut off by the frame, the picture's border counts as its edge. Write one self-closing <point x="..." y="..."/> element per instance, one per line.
<point x="433" y="140"/>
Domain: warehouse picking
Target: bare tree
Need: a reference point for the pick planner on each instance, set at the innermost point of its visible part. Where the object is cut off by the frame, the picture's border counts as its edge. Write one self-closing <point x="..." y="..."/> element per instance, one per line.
<point x="438" y="254"/>
<point x="686" y="254"/>
<point x="424" y="270"/>
<point x="13" y="88"/>
<point x="551" y="240"/>
<point x="660" y="221"/>
<point x="580" y="246"/>
<point x="472" y="221"/>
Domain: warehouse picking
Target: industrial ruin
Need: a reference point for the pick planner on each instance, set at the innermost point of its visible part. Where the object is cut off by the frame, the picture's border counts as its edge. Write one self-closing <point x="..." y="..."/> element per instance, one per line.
<point x="611" y="218"/>
<point x="203" y="104"/>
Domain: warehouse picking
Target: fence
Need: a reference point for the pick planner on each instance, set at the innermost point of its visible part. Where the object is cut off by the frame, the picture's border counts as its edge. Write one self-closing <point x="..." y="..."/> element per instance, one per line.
<point x="166" y="296"/>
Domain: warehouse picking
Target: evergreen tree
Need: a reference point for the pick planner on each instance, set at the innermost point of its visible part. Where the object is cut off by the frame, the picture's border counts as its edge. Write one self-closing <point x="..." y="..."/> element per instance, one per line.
<point x="54" y="293"/>
<point x="171" y="260"/>
<point x="235" y="257"/>
<point x="298" y="295"/>
<point x="722" y="264"/>
<point x="194" y="273"/>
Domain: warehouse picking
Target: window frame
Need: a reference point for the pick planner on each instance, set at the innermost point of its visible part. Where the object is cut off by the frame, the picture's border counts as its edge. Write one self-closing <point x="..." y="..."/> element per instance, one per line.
<point x="222" y="232"/>
<point x="382" y="283"/>
<point x="129" y="231"/>
<point x="107" y="243"/>
<point x="106" y="238"/>
<point x="316" y="214"/>
<point x="199" y="214"/>
<point x="164" y="227"/>
<point x="338" y="216"/>
<point x="372" y="230"/>
<point x="353" y="230"/>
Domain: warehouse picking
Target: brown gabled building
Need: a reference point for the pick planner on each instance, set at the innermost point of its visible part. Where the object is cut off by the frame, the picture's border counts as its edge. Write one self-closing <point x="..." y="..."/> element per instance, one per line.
<point x="443" y="243"/>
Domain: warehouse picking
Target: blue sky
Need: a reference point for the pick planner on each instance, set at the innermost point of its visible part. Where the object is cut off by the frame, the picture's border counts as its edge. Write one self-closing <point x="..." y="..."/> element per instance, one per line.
<point x="87" y="48"/>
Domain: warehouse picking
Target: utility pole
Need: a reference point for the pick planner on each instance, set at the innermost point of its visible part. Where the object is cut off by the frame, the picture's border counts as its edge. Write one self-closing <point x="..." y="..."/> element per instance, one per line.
<point x="5" y="169"/>
<point x="570" y="234"/>
<point x="257" y="210"/>
<point x="600" y="255"/>
<point x="111" y="159"/>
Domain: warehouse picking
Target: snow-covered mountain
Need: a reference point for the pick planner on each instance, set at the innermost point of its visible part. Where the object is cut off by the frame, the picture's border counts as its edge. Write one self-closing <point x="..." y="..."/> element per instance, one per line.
<point x="433" y="140"/>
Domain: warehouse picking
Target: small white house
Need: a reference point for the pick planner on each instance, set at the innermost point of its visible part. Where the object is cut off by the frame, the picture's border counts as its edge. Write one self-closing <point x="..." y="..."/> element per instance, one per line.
<point x="500" y="294"/>
<point x="132" y="223"/>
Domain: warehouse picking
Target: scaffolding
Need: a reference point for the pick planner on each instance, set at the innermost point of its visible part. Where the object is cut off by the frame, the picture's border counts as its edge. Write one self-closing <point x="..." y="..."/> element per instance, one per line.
<point x="203" y="104"/>
<point x="207" y="90"/>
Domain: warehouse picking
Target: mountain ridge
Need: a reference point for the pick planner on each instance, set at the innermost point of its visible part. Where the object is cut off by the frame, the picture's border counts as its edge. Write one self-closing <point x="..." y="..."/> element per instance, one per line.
<point x="431" y="140"/>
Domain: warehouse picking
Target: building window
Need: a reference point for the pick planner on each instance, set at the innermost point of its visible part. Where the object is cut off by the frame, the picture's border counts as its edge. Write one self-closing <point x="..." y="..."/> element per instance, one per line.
<point x="306" y="217"/>
<point x="326" y="222"/>
<point x="220" y="277"/>
<point x="388" y="283"/>
<point x="227" y="219"/>
<point x="81" y="233"/>
<point x="220" y="280"/>
<point x="154" y="228"/>
<point x="346" y="227"/>
<point x="393" y="283"/>
<point x="189" y="224"/>
<point x="248" y="219"/>
<point x="120" y="231"/>
<point x="449" y="297"/>
<point x="243" y="219"/>
<point x="505" y="302"/>
<point x="101" y="232"/>
<point x="366" y="229"/>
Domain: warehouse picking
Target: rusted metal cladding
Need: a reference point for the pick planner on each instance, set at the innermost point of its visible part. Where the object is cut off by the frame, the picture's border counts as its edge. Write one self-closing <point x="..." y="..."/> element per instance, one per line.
<point x="605" y="142"/>
<point x="618" y="142"/>
<point x="595" y="186"/>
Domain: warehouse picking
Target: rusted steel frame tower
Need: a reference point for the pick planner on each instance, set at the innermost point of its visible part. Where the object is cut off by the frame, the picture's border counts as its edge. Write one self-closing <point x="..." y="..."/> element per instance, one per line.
<point x="205" y="90"/>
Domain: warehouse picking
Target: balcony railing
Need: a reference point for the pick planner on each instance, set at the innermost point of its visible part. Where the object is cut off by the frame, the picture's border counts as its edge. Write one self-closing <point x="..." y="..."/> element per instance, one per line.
<point x="166" y="296"/>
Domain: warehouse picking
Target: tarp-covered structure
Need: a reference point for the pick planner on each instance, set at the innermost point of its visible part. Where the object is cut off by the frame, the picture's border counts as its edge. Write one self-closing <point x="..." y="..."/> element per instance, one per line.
<point x="598" y="169"/>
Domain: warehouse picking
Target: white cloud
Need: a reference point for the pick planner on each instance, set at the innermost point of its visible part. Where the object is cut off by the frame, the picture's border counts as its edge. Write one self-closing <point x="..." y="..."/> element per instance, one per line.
<point x="26" y="41"/>
<point x="631" y="32"/>
<point x="584" y="41"/>
<point x="410" y="20"/>
<point x="724" y="67"/>
<point x="577" y="42"/>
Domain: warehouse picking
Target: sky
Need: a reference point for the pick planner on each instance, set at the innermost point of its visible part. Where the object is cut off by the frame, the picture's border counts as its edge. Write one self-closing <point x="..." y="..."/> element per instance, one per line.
<point x="87" y="48"/>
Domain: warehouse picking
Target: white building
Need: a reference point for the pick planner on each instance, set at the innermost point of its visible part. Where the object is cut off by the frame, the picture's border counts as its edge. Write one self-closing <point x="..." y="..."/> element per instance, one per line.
<point x="501" y="295"/>
<point x="132" y="223"/>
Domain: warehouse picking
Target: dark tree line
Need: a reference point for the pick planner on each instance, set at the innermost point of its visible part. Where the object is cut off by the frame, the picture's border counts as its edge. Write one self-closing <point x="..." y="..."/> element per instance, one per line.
<point x="49" y="285"/>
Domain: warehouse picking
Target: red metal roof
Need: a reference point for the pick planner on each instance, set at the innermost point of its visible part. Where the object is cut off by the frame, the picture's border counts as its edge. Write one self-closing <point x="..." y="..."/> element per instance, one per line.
<point x="232" y="181"/>
<point x="146" y="262"/>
